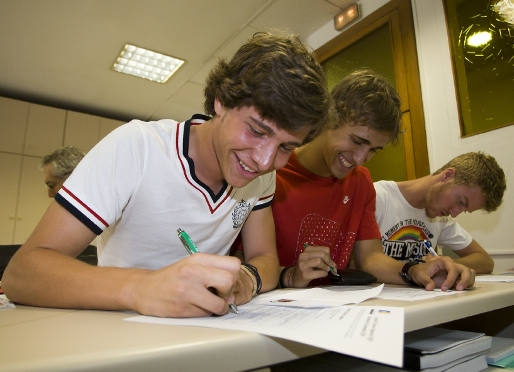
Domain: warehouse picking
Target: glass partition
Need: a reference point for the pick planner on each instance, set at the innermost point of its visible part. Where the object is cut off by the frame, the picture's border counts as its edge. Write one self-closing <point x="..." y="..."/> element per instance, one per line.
<point x="374" y="51"/>
<point x="481" y="36"/>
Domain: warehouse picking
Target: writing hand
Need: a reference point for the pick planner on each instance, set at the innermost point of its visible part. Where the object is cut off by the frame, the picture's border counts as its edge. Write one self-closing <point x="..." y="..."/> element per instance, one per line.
<point x="184" y="289"/>
<point x="313" y="263"/>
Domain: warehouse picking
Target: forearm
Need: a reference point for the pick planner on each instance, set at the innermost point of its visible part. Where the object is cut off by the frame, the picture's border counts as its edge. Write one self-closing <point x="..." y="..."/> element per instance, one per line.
<point x="258" y="238"/>
<point x="384" y="268"/>
<point x="369" y="256"/>
<point x="44" y="277"/>
<point x="481" y="263"/>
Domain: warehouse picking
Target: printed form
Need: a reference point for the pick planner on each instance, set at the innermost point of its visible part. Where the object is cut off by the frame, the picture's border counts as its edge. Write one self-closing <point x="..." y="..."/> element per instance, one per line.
<point x="370" y="332"/>
<point x="400" y="293"/>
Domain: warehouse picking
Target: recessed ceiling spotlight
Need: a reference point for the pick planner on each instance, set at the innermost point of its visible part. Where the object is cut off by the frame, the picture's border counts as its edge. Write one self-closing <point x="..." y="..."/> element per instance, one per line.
<point x="479" y="39"/>
<point x="146" y="64"/>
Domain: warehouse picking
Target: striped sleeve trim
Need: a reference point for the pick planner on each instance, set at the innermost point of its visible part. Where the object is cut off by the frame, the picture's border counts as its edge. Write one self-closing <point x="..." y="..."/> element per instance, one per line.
<point x="264" y="202"/>
<point x="81" y="211"/>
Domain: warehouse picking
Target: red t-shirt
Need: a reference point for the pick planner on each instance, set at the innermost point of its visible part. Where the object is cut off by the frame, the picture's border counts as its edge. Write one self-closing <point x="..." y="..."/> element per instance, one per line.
<point x="322" y="211"/>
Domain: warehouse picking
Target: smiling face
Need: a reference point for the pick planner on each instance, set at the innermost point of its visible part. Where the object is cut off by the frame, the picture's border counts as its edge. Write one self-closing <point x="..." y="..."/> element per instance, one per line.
<point x="448" y="199"/>
<point x="347" y="147"/>
<point x="248" y="146"/>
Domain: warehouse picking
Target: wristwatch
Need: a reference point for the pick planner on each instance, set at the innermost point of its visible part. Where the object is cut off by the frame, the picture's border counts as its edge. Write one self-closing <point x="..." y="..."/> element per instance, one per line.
<point x="404" y="274"/>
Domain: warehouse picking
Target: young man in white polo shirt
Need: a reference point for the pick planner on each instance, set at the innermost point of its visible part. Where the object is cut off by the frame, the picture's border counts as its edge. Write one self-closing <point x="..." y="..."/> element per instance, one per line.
<point x="210" y="176"/>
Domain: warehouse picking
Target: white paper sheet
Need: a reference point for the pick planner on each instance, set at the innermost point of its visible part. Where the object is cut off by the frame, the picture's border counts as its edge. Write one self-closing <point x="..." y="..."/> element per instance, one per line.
<point x="316" y="297"/>
<point x="412" y="293"/>
<point x="5" y="303"/>
<point x="495" y="278"/>
<point x="369" y="332"/>
<point x="399" y="293"/>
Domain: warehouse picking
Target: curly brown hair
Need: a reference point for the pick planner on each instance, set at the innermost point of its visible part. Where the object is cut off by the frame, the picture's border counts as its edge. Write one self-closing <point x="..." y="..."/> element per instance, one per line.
<point x="278" y="76"/>
<point x="366" y="98"/>
<point x="482" y="170"/>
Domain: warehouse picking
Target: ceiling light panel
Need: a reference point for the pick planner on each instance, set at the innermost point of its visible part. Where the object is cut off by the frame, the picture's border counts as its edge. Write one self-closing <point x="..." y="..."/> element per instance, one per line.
<point x="146" y="64"/>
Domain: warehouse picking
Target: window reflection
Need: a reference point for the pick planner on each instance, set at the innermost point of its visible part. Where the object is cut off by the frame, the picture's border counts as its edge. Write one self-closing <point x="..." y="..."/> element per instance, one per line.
<point x="373" y="51"/>
<point x="482" y="41"/>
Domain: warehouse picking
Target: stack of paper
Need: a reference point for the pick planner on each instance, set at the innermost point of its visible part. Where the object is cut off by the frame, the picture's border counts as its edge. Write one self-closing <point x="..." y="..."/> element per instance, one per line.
<point x="501" y="353"/>
<point x="436" y="349"/>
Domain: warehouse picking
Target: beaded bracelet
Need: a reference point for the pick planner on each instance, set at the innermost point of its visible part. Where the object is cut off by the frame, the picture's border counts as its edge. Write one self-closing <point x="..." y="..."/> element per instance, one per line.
<point x="282" y="273"/>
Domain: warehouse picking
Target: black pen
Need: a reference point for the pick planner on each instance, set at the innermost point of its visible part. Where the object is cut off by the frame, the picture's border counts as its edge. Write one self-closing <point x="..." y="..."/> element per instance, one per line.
<point x="190" y="247"/>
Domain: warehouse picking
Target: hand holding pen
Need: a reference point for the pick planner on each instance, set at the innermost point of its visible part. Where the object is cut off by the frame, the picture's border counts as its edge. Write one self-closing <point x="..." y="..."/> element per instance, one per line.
<point x="312" y="264"/>
<point x="192" y="249"/>
<point x="179" y="290"/>
<point x="332" y="270"/>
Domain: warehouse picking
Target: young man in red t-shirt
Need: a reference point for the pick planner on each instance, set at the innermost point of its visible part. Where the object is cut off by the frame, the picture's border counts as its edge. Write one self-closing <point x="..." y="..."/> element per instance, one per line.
<point x="325" y="200"/>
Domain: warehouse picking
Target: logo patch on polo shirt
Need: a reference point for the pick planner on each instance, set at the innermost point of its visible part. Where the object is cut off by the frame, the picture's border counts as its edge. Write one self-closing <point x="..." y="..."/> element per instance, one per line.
<point x="240" y="212"/>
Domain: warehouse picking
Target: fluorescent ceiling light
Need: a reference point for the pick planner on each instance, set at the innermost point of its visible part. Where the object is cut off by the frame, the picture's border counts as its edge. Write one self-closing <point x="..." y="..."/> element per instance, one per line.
<point x="146" y="64"/>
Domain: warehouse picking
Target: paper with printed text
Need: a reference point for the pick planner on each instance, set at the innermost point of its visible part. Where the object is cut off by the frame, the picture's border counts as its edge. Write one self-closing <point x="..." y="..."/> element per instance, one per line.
<point x="370" y="332"/>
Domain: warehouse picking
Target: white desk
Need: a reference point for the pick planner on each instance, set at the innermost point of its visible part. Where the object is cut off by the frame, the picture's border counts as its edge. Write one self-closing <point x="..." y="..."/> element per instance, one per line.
<point x="38" y="339"/>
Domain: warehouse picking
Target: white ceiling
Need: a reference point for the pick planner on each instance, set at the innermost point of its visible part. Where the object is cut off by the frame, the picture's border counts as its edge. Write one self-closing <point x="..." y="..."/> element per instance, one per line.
<point x="60" y="52"/>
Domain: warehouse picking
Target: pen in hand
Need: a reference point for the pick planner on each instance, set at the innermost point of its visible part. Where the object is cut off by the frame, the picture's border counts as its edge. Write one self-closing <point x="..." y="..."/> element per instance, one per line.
<point x="191" y="249"/>
<point x="428" y="245"/>
<point x="333" y="270"/>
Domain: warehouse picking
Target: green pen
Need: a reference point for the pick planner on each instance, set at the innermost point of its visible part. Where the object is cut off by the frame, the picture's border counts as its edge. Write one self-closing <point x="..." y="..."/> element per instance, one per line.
<point x="187" y="242"/>
<point x="333" y="271"/>
<point x="190" y="247"/>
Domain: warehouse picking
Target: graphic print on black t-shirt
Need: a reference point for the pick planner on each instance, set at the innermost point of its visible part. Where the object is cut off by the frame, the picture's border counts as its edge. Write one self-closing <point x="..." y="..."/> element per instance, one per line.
<point x="404" y="240"/>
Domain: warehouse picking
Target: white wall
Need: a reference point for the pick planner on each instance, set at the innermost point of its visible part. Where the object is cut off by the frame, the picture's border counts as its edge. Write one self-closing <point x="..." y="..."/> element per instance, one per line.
<point x="493" y="230"/>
